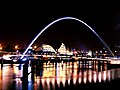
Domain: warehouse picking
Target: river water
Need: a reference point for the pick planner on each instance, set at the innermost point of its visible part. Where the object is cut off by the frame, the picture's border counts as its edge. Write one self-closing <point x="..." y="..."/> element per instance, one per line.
<point x="57" y="76"/>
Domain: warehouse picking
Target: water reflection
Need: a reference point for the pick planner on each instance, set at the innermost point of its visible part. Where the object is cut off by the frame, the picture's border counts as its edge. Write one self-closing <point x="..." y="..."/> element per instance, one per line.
<point x="52" y="76"/>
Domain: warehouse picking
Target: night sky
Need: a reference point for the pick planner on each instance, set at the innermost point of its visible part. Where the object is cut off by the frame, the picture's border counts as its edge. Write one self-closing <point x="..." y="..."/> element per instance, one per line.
<point x="19" y="25"/>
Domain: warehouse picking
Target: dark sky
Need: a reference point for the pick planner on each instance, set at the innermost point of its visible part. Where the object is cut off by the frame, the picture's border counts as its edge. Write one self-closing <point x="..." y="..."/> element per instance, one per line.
<point x="20" y="24"/>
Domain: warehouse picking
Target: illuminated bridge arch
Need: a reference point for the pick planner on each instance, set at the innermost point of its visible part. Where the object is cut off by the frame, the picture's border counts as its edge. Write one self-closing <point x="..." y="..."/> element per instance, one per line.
<point x="71" y="18"/>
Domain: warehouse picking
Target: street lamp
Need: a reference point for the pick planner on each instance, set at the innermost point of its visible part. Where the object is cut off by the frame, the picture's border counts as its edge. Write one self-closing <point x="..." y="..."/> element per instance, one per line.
<point x="35" y="47"/>
<point x="16" y="47"/>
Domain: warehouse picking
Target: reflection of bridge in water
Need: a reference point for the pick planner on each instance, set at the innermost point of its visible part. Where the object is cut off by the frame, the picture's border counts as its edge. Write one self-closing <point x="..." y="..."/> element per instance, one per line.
<point x="53" y="75"/>
<point x="62" y="77"/>
<point x="58" y="72"/>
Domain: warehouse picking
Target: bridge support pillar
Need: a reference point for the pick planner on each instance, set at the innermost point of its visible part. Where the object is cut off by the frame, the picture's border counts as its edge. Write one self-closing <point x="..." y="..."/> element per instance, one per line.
<point x="99" y="65"/>
<point x="25" y="72"/>
<point x="25" y="76"/>
<point x="108" y="65"/>
<point x="1" y="63"/>
<point x="33" y="71"/>
<point x="103" y="65"/>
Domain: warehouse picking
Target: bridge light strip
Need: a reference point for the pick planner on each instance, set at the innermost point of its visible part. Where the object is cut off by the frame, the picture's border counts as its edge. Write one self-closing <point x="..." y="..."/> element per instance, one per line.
<point x="64" y="19"/>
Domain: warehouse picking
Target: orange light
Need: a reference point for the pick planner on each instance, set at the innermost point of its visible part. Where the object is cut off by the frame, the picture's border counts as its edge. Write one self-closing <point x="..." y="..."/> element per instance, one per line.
<point x="0" y="47"/>
<point x="16" y="47"/>
<point x="35" y="47"/>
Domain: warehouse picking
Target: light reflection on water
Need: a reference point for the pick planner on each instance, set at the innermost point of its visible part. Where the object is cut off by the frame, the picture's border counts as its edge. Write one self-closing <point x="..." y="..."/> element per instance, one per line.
<point x="52" y="75"/>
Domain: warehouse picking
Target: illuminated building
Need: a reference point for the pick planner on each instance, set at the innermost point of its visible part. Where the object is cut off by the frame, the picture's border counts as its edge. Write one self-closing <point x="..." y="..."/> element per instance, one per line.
<point x="62" y="49"/>
<point x="48" y="48"/>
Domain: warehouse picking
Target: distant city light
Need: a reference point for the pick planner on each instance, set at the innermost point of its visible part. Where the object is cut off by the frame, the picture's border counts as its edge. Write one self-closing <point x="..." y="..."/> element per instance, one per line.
<point x="16" y="46"/>
<point x="100" y="51"/>
<point x="35" y="47"/>
<point x="105" y="51"/>
<point x="96" y="52"/>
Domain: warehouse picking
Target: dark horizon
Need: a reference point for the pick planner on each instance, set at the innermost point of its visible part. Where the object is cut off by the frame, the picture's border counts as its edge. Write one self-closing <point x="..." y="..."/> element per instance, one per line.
<point x="21" y="26"/>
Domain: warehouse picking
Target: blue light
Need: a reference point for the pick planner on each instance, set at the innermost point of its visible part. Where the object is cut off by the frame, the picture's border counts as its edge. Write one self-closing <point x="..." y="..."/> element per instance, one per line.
<point x="72" y="18"/>
<point x="29" y="51"/>
<point x="24" y="59"/>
